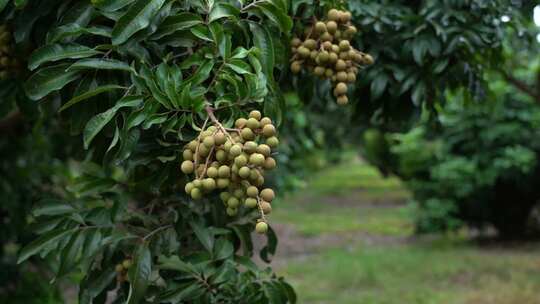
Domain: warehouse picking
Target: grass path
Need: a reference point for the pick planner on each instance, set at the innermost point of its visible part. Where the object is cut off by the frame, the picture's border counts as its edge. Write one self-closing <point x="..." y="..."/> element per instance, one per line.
<point x="348" y="239"/>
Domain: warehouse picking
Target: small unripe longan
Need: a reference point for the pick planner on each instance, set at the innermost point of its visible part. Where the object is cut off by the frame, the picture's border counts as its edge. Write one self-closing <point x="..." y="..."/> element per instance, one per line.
<point x="265" y="121"/>
<point x="296" y="42"/>
<point x="256" y="159"/>
<point x="212" y="172"/>
<point x="220" y="138"/>
<point x="240" y="160"/>
<point x="252" y="191"/>
<point x="270" y="163"/>
<point x="264" y="150"/>
<point x="233" y="202"/>
<point x="344" y="45"/>
<point x="255" y="114"/>
<point x="223" y="183"/>
<point x="188" y="187"/>
<point x="209" y="184"/>
<point x="310" y="44"/>
<point x="244" y="172"/>
<point x="119" y="268"/>
<point x="247" y="134"/>
<point x="252" y="123"/>
<point x="231" y="211"/>
<point x="296" y="67"/>
<point x="236" y="150"/>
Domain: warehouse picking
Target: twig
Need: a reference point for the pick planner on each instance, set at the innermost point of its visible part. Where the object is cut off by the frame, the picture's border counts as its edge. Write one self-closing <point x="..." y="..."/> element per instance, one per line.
<point x="197" y="148"/>
<point x="216" y="122"/>
<point x="156" y="231"/>
<point x="260" y="208"/>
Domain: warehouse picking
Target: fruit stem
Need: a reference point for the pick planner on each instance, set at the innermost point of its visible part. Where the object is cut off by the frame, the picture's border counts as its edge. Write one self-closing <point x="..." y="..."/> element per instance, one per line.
<point x="197" y="148"/>
<point x="260" y="209"/>
<point x="216" y="122"/>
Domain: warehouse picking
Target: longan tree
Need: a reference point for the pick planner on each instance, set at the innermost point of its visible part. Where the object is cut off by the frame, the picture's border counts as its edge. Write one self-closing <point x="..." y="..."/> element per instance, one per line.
<point x="158" y="104"/>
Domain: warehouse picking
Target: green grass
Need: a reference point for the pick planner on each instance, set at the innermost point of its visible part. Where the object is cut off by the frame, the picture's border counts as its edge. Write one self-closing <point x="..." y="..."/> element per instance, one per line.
<point x="354" y="200"/>
<point x="426" y="274"/>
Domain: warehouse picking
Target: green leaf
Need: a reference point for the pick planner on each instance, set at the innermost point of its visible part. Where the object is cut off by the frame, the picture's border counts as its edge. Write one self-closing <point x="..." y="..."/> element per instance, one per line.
<point x="222" y="10"/>
<point x="177" y="23"/>
<point x="139" y="274"/>
<point x="175" y="263"/>
<point x="100" y="64"/>
<point x="55" y="52"/>
<point x="184" y="292"/>
<point x="42" y="242"/>
<point x="74" y="30"/>
<point x="3" y="4"/>
<point x="98" y="122"/>
<point x="136" y="18"/>
<point x="112" y="5"/>
<point x="277" y="15"/>
<point x="262" y="39"/>
<point x="52" y="207"/>
<point x="271" y="245"/>
<point x="239" y="66"/>
<point x="93" y="285"/>
<point x="89" y="94"/>
<point x="204" y="236"/>
<point x="223" y="249"/>
<point x="70" y="254"/>
<point x="49" y="79"/>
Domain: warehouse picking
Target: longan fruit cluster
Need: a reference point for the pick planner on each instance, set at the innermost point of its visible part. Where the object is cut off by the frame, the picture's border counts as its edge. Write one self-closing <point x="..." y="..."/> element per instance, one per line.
<point x="326" y="51"/>
<point x="9" y="64"/>
<point x="233" y="162"/>
<point x="122" y="269"/>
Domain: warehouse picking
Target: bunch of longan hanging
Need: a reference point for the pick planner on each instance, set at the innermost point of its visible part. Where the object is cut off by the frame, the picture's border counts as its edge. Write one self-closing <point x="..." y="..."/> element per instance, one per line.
<point x="9" y="64"/>
<point x="122" y="269"/>
<point x="326" y="51"/>
<point x="233" y="162"/>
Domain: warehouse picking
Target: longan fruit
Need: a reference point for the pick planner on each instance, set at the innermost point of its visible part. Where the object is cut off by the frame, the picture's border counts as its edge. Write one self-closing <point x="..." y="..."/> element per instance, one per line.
<point x="296" y="67"/>
<point x="224" y="171"/>
<point x="323" y="56"/>
<point x="265" y="121"/>
<point x="188" y="187"/>
<point x="270" y="163"/>
<point x="223" y="183"/>
<point x="327" y="45"/>
<point x="304" y="52"/>
<point x="209" y="184"/>
<point x="327" y="37"/>
<point x="220" y="138"/>
<point x="261" y="227"/>
<point x="344" y="45"/>
<point x="333" y="15"/>
<point x="212" y="172"/>
<point x="320" y="27"/>
<point x="256" y="159"/>
<point x="341" y="76"/>
<point x="296" y="42"/>
<point x="351" y="77"/>
<point x="247" y="134"/>
<point x="267" y="194"/>
<point x="250" y="146"/>
<point x="240" y="160"/>
<point x="269" y="130"/>
<point x="192" y="145"/>
<point x="341" y="88"/>
<point x="313" y="55"/>
<point x="331" y="27"/>
<point x="264" y="150"/>
<point x="335" y="48"/>
<point x="351" y="31"/>
<point x="187" y="155"/>
<point x="333" y="58"/>
<point x="272" y="142"/>
<point x="244" y="172"/>
<point x="231" y="211"/>
<point x="341" y="65"/>
<point x="329" y="73"/>
<point x="233" y="202"/>
<point x="250" y="202"/>
<point x="310" y="44"/>
<point x="187" y="167"/>
<point x="342" y="100"/>
<point x="252" y="191"/>
<point x="196" y="194"/>
<point x="252" y="123"/>
<point x="197" y="183"/>
<point x="266" y="207"/>
<point x="319" y="71"/>
<point x="236" y="150"/>
<point x="224" y="196"/>
<point x="240" y="123"/>
<point x="345" y="17"/>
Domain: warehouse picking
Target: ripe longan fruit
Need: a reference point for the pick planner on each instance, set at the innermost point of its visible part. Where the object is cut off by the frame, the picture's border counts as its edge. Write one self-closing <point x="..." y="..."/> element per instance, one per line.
<point x="344" y="45"/>
<point x="265" y="121"/>
<point x="267" y="194"/>
<point x="333" y="15"/>
<point x="233" y="202"/>
<point x="304" y="52"/>
<point x="340" y="65"/>
<point x="341" y="88"/>
<point x="319" y="71"/>
<point x="266" y="207"/>
<point x="212" y="172"/>
<point x="188" y="187"/>
<point x="342" y="100"/>
<point x="270" y="163"/>
<point x="196" y="194"/>
<point x="264" y="150"/>
<point x="261" y="227"/>
<point x="187" y="167"/>
<point x="310" y="44"/>
<point x="320" y="27"/>
<point x="296" y="42"/>
<point x="250" y="202"/>
<point x="252" y="191"/>
<point x="272" y="142"/>
<point x="296" y="67"/>
<point x="327" y="37"/>
<point x="244" y="172"/>
<point x="247" y="134"/>
<point x="240" y="123"/>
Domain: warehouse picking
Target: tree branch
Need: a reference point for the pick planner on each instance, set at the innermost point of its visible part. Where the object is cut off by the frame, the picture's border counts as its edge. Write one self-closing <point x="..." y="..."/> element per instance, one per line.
<point x="522" y="86"/>
<point x="11" y="123"/>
